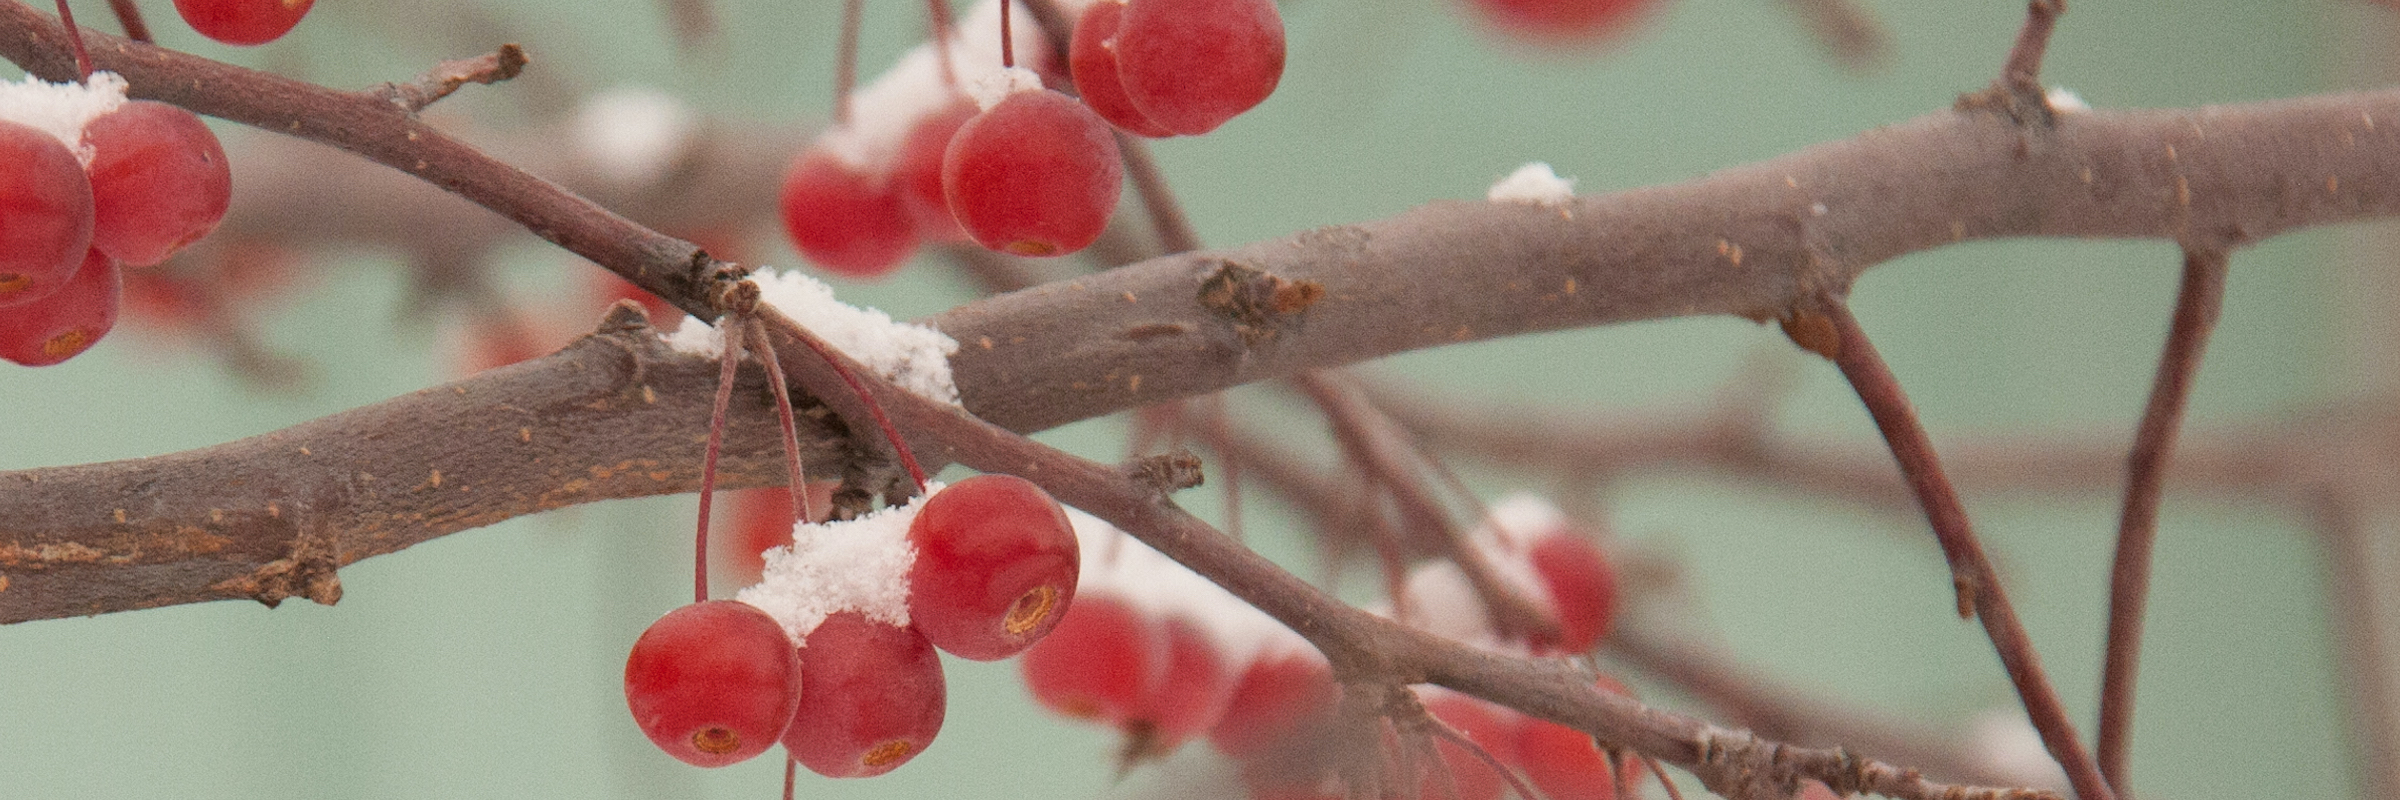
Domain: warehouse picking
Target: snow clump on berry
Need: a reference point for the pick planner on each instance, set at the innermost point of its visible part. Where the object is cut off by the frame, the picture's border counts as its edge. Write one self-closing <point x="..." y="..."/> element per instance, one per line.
<point x="633" y="134"/>
<point x="62" y="109"/>
<point x="998" y="84"/>
<point x="851" y="565"/>
<point x="1533" y="183"/>
<point x="1437" y="596"/>
<point x="915" y="357"/>
<point x="883" y="112"/>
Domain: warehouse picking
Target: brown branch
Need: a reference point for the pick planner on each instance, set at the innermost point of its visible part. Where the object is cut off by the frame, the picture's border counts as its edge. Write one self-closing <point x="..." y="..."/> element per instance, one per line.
<point x="2359" y="636"/>
<point x="129" y="17"/>
<point x="1979" y="591"/>
<point x="2196" y="308"/>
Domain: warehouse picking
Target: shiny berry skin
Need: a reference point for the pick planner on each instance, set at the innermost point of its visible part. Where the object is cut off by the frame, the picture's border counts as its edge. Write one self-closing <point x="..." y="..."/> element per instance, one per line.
<point x="996" y="567"/>
<point x="1092" y="59"/>
<point x="243" y="22"/>
<point x="1097" y="663"/>
<point x="1582" y="587"/>
<point x="1191" y="65"/>
<point x="159" y="181"/>
<point x="45" y="214"/>
<point x="871" y="698"/>
<point x="843" y="219"/>
<point x="713" y="683"/>
<point x="1035" y="175"/>
<point x="69" y="320"/>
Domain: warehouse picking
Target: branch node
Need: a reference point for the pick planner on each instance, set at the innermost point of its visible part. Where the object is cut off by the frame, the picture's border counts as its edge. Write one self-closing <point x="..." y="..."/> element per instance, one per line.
<point x="1167" y="473"/>
<point x="310" y="572"/>
<point x="626" y="316"/>
<point x="1255" y="300"/>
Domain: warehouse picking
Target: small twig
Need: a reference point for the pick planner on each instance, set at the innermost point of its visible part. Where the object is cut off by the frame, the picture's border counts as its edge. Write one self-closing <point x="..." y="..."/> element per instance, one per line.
<point x="1443" y="730"/>
<point x="2196" y="308"/>
<point x="937" y="20"/>
<point x="2021" y="74"/>
<point x="1663" y="780"/>
<point x="1851" y="34"/>
<point x="83" y="57"/>
<point x="1167" y="220"/>
<point x="1977" y="585"/>
<point x="2373" y="712"/>
<point x="448" y="76"/>
<point x="129" y="17"/>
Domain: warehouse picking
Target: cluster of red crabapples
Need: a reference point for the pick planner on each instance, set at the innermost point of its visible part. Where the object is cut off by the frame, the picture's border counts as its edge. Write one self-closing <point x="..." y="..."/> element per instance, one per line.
<point x="833" y="653"/>
<point x="89" y="182"/>
<point x="1018" y="167"/>
<point x="1165" y="657"/>
<point x="243" y="22"/>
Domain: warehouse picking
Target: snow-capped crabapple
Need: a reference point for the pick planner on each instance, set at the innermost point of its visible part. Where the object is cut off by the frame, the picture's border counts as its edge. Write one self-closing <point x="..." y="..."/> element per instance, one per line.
<point x="1092" y="60"/>
<point x="844" y="219"/>
<point x="1191" y="65"/>
<point x="995" y="569"/>
<point x="159" y="181"/>
<point x="69" y="320"/>
<point x="871" y="698"/>
<point x="1036" y="174"/>
<point x="713" y="683"/>
<point x="45" y="214"/>
<point x="243" y="22"/>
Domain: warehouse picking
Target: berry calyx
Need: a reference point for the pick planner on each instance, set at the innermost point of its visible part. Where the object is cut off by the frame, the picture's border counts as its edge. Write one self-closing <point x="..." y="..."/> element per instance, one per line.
<point x="996" y="567"/>
<point x="1036" y="174"/>
<point x="69" y="320"/>
<point x="713" y="683"/>
<point x="159" y="181"/>
<point x="45" y="214"/>
<point x="243" y="22"/>
<point x="1191" y="65"/>
<point x="872" y="697"/>
<point x="843" y="219"/>
<point x="1092" y="59"/>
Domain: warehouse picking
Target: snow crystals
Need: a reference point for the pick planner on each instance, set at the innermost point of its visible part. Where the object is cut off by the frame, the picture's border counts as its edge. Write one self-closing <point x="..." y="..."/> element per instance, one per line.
<point x="915" y="357"/>
<point x="62" y="109"/>
<point x="848" y="565"/>
<point x="1533" y="183"/>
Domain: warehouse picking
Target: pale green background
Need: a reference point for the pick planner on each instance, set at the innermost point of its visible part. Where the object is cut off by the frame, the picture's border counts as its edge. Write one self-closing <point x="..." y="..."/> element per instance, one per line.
<point x="486" y="664"/>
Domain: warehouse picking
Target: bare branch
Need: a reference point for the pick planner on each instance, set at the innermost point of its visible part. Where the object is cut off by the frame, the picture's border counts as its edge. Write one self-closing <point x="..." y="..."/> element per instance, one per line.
<point x="448" y="76"/>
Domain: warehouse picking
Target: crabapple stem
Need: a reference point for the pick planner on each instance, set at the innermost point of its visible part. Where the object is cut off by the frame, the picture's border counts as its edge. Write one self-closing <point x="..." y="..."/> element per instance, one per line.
<point x="845" y="62"/>
<point x="1008" y="47"/>
<point x="908" y="460"/>
<point x="130" y="17"/>
<point x="730" y="359"/>
<point x="83" y="57"/>
<point x="757" y="336"/>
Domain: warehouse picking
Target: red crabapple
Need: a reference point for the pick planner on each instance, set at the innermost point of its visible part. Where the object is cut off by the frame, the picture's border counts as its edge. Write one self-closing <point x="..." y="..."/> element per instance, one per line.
<point x="1582" y="588"/>
<point x="844" y="219"/>
<point x="1035" y="175"/>
<point x="995" y="569"/>
<point x="919" y="171"/>
<point x="1190" y="65"/>
<point x="1561" y="21"/>
<point x="159" y="181"/>
<point x="1565" y="764"/>
<point x="713" y="683"/>
<point x="1489" y="727"/>
<point x="67" y="321"/>
<point x="1092" y="58"/>
<point x="871" y="697"/>
<point x="1278" y="698"/>
<point x="1096" y="664"/>
<point x="45" y="214"/>
<point x="1185" y="698"/>
<point x="243" y="22"/>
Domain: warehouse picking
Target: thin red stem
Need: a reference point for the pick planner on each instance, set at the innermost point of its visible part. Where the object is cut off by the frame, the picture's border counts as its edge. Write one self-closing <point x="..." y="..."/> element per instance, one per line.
<point x="731" y="358"/>
<point x="908" y="460"/>
<point x="937" y="17"/>
<point x="1979" y="593"/>
<point x="129" y="17"/>
<point x="2196" y="308"/>
<point x="1008" y="44"/>
<point x="845" y="61"/>
<point x="1444" y="730"/>
<point x="1664" y="781"/>
<point x="83" y="57"/>
<point x="757" y="336"/>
